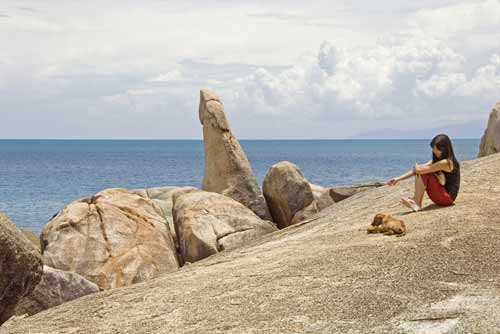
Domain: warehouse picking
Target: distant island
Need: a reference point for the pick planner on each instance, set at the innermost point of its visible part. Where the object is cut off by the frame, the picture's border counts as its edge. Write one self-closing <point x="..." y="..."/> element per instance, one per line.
<point x="472" y="129"/>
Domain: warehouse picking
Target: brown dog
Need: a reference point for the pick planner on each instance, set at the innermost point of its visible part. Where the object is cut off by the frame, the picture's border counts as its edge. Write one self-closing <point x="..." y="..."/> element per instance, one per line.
<point x="387" y="224"/>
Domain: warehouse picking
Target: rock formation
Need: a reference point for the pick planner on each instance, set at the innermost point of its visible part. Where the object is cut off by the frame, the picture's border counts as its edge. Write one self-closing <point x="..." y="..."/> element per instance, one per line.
<point x="227" y="169"/>
<point x="20" y="267"/>
<point x="55" y="288"/>
<point x="35" y="239"/>
<point x="115" y="238"/>
<point x="325" y="276"/>
<point x="322" y="196"/>
<point x="288" y="194"/>
<point x="338" y="194"/>
<point x="207" y="223"/>
<point x="292" y="199"/>
<point x="161" y="197"/>
<point x="490" y="142"/>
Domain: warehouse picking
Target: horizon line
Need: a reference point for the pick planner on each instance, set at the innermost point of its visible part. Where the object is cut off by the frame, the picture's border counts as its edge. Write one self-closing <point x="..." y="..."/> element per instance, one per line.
<point x="201" y="139"/>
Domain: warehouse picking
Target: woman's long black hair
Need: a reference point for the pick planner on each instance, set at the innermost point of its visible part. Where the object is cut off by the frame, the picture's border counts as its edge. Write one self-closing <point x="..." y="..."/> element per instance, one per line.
<point x="443" y="143"/>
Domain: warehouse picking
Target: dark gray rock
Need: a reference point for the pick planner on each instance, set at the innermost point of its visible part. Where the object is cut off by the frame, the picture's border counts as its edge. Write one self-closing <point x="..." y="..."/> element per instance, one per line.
<point x="20" y="267"/>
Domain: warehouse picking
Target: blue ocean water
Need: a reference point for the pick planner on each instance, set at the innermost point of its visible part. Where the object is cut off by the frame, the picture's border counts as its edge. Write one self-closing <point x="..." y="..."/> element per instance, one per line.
<point x="39" y="177"/>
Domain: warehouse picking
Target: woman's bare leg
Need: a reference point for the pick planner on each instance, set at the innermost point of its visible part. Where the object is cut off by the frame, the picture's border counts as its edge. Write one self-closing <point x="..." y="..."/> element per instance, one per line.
<point x="417" y="197"/>
<point x="419" y="190"/>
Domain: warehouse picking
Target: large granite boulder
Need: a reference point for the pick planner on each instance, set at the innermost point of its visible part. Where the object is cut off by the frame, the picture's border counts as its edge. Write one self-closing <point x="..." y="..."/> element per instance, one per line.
<point x="227" y="169"/>
<point x="490" y="142"/>
<point x="56" y="287"/>
<point x="20" y="267"/>
<point x="288" y="194"/>
<point x="207" y="223"/>
<point x="161" y="198"/>
<point x="115" y="238"/>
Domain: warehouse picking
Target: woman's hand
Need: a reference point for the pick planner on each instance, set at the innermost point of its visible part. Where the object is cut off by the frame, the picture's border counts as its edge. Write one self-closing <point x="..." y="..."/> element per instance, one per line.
<point x="393" y="182"/>
<point x="417" y="168"/>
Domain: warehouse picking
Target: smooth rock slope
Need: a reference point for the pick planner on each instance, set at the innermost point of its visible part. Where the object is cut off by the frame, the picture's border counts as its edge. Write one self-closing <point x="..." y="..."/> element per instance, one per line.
<point x="325" y="275"/>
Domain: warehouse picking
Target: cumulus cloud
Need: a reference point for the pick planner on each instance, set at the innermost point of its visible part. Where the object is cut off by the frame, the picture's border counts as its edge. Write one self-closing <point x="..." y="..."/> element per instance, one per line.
<point x="326" y="67"/>
<point x="173" y="75"/>
<point x="465" y="17"/>
<point x="407" y="74"/>
<point x="485" y="83"/>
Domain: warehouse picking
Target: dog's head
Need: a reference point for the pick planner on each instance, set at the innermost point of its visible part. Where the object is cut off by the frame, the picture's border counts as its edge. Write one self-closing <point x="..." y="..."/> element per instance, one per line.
<point x="378" y="219"/>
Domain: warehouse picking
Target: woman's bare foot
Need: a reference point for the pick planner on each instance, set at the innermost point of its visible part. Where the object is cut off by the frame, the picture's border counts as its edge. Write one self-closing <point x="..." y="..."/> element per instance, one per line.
<point x="410" y="203"/>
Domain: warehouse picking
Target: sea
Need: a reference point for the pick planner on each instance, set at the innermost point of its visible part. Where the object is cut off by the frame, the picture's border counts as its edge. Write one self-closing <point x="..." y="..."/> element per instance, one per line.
<point x="39" y="177"/>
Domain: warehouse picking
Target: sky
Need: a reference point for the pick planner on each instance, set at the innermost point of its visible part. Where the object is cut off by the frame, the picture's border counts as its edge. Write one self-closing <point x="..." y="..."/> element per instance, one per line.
<point x="283" y="69"/>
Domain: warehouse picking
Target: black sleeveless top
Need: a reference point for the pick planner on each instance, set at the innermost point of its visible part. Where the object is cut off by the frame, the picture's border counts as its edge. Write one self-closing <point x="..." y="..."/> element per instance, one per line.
<point x="453" y="180"/>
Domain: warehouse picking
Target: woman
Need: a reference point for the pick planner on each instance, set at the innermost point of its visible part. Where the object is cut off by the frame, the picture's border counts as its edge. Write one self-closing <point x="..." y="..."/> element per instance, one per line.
<point x="443" y="160"/>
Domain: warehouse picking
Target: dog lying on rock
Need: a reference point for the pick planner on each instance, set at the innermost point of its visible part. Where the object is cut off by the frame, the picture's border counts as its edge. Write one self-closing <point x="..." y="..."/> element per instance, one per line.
<point x="387" y="224"/>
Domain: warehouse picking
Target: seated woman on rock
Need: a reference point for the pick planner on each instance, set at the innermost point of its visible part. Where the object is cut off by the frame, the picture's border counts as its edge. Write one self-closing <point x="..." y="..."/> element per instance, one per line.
<point x="439" y="177"/>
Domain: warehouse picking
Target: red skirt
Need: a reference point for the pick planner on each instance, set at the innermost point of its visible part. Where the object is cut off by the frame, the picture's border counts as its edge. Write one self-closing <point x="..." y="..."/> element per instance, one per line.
<point x="436" y="192"/>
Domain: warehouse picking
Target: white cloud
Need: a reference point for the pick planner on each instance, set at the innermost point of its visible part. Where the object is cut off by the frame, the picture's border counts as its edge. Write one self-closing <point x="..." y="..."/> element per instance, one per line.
<point x="383" y="61"/>
<point x="439" y="85"/>
<point x="406" y="74"/>
<point x="173" y="75"/>
<point x="464" y="17"/>
<point x="377" y="82"/>
<point x="485" y="84"/>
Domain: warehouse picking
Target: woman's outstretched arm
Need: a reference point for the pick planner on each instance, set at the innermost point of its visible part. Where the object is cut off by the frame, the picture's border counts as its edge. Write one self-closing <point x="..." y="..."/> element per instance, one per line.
<point x="406" y="175"/>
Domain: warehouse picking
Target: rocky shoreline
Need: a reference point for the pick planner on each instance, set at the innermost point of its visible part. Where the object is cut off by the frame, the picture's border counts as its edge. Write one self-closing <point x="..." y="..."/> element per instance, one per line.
<point x="162" y="239"/>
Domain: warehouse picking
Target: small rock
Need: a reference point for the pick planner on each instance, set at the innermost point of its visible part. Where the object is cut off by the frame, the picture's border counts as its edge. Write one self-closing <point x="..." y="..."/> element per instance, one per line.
<point x="55" y="288"/>
<point x="340" y="193"/>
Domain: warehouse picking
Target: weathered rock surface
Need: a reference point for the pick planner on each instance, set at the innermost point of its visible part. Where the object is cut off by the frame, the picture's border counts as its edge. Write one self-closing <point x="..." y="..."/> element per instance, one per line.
<point x="115" y="238"/>
<point x="20" y="267"/>
<point x="55" y="288"/>
<point x="325" y="275"/>
<point x="490" y="142"/>
<point x="35" y="239"/>
<point x="338" y="194"/>
<point x="161" y="197"/>
<point x="288" y="194"/>
<point x="321" y="196"/>
<point x="292" y="199"/>
<point x="227" y="169"/>
<point x="325" y="197"/>
<point x="207" y="223"/>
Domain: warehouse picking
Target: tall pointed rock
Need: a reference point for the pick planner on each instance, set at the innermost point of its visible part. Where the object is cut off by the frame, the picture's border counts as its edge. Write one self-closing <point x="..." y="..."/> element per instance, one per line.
<point x="227" y="169"/>
<point x="490" y="142"/>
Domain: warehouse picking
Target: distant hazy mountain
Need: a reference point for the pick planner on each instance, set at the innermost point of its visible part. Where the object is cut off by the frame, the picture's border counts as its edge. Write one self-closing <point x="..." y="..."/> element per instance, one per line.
<point x="473" y="129"/>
